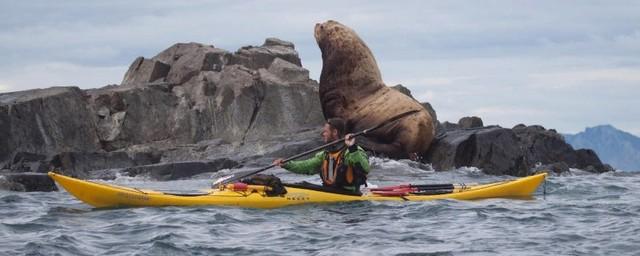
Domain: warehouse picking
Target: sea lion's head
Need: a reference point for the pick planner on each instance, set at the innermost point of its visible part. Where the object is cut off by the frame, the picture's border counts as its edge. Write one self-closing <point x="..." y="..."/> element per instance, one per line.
<point x="326" y="33"/>
<point x="337" y="39"/>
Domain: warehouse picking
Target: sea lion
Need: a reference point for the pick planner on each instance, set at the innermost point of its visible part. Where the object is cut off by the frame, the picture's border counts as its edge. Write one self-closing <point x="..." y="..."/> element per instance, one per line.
<point x="351" y="87"/>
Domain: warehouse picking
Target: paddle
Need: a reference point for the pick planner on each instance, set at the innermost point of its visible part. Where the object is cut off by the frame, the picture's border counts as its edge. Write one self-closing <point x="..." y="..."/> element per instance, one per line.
<point x="240" y="175"/>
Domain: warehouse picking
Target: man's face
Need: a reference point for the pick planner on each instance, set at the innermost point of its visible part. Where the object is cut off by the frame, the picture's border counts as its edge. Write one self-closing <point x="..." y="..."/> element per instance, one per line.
<point x="329" y="134"/>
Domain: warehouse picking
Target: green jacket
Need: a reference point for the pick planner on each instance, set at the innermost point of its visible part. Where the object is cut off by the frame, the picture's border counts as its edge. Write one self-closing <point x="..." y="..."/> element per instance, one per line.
<point x="313" y="165"/>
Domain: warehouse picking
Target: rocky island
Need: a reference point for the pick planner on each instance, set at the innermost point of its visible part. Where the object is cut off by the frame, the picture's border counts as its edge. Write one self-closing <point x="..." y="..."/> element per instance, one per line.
<point x="195" y="108"/>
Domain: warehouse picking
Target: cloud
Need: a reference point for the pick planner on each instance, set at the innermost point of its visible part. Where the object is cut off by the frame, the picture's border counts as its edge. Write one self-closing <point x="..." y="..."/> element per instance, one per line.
<point x="44" y="75"/>
<point x="627" y="77"/>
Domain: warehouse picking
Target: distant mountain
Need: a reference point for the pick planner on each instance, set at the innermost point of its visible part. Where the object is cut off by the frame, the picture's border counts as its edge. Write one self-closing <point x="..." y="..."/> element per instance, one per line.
<point x="618" y="148"/>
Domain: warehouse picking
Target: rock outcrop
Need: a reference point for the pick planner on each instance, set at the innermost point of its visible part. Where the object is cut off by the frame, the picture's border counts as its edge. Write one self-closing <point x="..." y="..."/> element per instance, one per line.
<point x="470" y="122"/>
<point x="170" y="170"/>
<point x="44" y="122"/>
<point x="209" y="93"/>
<point x="493" y="149"/>
<point x="519" y="151"/>
<point x="27" y="182"/>
<point x="516" y="151"/>
<point x="164" y="110"/>
<point x="549" y="147"/>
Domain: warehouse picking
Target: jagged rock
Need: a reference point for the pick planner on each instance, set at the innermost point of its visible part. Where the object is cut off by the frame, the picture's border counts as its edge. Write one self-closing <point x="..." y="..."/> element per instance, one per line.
<point x="283" y="50"/>
<point x="434" y="115"/>
<point x="185" y="94"/>
<point x="447" y="126"/>
<point x="257" y="152"/>
<point x="464" y="123"/>
<point x="137" y="115"/>
<point x="46" y="121"/>
<point x="10" y="186"/>
<point x="497" y="150"/>
<point x="222" y="100"/>
<point x="287" y="72"/>
<point x="599" y="168"/>
<point x="584" y="158"/>
<point x="172" y="54"/>
<point x="273" y="42"/>
<point x="273" y="114"/>
<point x="588" y="160"/>
<point x="27" y="182"/>
<point x="28" y="162"/>
<point x="179" y="170"/>
<point x="188" y="60"/>
<point x="493" y="149"/>
<point x="547" y="146"/>
<point x="432" y="112"/>
<point x="470" y="122"/>
<point x="252" y="57"/>
<point x="403" y="90"/>
<point x="559" y="167"/>
<point x="79" y="164"/>
<point x="255" y="58"/>
<point x="143" y="71"/>
<point x="177" y="64"/>
<point x="284" y="146"/>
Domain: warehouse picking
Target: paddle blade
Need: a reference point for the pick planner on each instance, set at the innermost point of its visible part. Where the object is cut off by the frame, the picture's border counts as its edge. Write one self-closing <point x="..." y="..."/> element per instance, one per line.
<point x="221" y="180"/>
<point x="237" y="176"/>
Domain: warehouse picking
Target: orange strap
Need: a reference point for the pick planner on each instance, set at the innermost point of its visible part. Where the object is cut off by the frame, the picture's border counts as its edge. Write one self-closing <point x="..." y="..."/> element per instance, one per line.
<point x="330" y="178"/>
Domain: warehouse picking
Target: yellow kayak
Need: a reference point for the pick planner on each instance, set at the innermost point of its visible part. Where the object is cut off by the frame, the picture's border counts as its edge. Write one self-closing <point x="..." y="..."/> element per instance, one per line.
<point x="103" y="195"/>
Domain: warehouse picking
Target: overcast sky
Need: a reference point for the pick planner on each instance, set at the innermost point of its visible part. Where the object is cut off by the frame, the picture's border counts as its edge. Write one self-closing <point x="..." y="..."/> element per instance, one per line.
<point x="565" y="65"/>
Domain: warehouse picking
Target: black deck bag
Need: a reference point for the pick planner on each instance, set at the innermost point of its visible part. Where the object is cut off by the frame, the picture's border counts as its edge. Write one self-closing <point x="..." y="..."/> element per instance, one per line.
<point x="277" y="189"/>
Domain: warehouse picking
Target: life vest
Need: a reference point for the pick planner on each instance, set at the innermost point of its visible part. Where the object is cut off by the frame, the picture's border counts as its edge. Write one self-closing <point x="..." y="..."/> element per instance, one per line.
<point x="335" y="173"/>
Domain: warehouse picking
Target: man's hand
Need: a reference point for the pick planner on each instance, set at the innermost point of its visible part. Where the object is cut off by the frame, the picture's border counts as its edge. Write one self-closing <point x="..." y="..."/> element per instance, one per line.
<point x="349" y="140"/>
<point x="278" y="162"/>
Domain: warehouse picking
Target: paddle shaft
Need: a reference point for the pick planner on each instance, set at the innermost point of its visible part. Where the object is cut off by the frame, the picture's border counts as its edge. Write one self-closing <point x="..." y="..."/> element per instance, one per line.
<point x="363" y="132"/>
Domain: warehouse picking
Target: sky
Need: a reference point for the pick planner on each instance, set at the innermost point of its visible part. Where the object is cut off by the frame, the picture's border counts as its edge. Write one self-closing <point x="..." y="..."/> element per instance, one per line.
<point x="565" y="65"/>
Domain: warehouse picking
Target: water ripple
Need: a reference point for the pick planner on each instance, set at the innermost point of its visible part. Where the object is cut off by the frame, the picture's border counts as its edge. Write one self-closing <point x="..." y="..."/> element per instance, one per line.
<point x="11" y="198"/>
<point x="581" y="214"/>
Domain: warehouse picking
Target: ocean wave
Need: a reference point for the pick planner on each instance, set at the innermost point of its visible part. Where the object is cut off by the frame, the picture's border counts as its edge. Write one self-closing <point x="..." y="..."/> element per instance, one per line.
<point x="580" y="214"/>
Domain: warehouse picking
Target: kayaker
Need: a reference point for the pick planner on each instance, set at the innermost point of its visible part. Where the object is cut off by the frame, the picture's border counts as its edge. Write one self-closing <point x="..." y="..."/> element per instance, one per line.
<point x="343" y="167"/>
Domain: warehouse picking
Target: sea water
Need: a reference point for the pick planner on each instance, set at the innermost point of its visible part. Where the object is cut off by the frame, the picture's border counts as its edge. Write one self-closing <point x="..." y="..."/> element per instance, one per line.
<point x="576" y="213"/>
